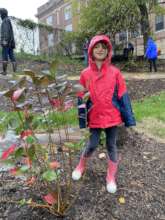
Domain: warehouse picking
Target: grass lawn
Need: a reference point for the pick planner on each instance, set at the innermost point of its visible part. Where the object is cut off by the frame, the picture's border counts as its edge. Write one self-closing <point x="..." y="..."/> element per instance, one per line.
<point x="150" y="113"/>
<point x="153" y="106"/>
<point x="54" y="119"/>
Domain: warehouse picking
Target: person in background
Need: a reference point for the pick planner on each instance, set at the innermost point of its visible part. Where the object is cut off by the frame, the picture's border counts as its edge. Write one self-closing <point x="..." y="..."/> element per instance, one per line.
<point x="7" y="41"/>
<point x="107" y="107"/>
<point x="151" y="54"/>
<point x="125" y="53"/>
<point x="130" y="48"/>
<point x="85" y="51"/>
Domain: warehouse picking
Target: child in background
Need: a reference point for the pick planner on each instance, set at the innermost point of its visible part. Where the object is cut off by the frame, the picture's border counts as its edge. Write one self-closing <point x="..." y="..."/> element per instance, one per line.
<point x="108" y="106"/>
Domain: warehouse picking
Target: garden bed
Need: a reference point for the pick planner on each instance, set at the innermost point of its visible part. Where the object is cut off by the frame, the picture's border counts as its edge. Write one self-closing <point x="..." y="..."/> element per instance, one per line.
<point x="141" y="180"/>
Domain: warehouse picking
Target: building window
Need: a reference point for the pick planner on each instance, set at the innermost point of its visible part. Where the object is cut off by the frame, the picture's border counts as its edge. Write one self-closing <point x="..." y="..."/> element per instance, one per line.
<point x="67" y="12"/>
<point x="50" y="40"/>
<point x="49" y="20"/>
<point x="137" y="32"/>
<point x="159" y="22"/>
<point x="122" y="36"/>
<point x="68" y="27"/>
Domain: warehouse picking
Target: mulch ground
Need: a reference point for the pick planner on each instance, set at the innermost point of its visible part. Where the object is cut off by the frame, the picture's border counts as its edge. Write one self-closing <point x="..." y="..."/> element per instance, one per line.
<point x="141" y="179"/>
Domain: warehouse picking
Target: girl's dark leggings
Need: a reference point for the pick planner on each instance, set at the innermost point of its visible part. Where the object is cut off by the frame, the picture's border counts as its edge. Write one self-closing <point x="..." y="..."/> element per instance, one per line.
<point x="111" y="135"/>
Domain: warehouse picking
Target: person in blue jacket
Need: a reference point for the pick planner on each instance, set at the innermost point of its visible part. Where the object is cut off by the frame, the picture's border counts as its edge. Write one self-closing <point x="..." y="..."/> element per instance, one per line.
<point x="151" y="53"/>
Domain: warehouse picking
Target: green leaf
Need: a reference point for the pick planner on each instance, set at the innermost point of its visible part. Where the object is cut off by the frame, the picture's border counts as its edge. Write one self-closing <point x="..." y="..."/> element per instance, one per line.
<point x="53" y="67"/>
<point x="19" y="152"/>
<point x="31" y="152"/>
<point x="69" y="144"/>
<point x="9" y="162"/>
<point x="50" y="175"/>
<point x="24" y="168"/>
<point x="30" y="139"/>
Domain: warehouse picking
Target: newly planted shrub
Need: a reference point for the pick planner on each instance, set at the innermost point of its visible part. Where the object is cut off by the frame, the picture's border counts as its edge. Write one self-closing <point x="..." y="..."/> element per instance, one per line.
<point x="46" y="167"/>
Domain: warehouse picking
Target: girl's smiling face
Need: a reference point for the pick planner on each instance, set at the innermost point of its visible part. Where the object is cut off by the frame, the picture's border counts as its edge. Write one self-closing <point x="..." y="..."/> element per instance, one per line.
<point x="100" y="51"/>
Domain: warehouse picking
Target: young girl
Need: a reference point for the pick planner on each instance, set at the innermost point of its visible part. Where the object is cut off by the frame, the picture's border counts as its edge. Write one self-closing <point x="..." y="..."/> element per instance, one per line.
<point x="108" y="107"/>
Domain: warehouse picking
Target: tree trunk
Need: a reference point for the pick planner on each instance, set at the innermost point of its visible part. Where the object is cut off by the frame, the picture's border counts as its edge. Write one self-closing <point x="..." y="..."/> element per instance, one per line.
<point x="144" y="21"/>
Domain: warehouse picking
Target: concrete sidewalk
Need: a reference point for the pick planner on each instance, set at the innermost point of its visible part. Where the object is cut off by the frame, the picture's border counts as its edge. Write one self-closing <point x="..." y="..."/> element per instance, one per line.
<point x="145" y="75"/>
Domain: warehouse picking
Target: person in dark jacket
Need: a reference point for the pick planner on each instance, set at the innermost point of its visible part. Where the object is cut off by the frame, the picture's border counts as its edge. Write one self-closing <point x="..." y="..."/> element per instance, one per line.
<point x="130" y="49"/>
<point x="151" y="53"/>
<point x="108" y="106"/>
<point x="7" y="41"/>
<point x="85" y="51"/>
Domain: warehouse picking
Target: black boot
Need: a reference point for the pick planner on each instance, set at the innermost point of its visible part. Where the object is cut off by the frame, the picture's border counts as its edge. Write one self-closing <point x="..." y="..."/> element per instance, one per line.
<point x="14" y="64"/>
<point x="4" y="66"/>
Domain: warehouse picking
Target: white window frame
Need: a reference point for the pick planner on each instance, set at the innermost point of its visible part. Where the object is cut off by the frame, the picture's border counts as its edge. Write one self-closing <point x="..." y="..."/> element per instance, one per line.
<point x="50" y="40"/>
<point x="69" y="27"/>
<point x="67" y="12"/>
<point x="159" y="20"/>
<point x="49" y="20"/>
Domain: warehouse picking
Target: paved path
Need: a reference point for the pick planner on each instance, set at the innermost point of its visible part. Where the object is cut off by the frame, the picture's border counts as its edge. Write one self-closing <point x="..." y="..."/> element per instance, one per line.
<point x="73" y="133"/>
<point x="145" y="75"/>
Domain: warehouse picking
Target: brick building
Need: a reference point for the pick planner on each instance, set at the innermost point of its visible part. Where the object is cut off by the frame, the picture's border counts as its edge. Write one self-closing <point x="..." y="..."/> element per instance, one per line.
<point x="157" y="27"/>
<point x="59" y="14"/>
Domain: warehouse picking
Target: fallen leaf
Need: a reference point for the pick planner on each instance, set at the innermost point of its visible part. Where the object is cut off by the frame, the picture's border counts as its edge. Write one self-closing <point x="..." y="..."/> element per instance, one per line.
<point x="122" y="200"/>
<point x="54" y="165"/>
<point x="29" y="201"/>
<point x="102" y="155"/>
<point x="31" y="180"/>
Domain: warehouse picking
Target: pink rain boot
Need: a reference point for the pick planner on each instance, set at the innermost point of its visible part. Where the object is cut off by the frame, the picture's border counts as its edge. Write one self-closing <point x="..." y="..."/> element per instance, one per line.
<point x="78" y="172"/>
<point x="111" y="176"/>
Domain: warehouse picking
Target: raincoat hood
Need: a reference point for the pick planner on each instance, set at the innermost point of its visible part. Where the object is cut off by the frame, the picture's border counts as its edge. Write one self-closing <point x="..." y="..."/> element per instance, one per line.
<point x="150" y="41"/>
<point x="3" y="13"/>
<point x="93" y="42"/>
<point x="151" y="50"/>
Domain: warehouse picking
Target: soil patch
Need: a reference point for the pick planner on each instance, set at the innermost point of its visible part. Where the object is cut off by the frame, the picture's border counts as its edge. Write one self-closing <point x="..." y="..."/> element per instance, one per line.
<point x="137" y="88"/>
<point x="141" y="180"/>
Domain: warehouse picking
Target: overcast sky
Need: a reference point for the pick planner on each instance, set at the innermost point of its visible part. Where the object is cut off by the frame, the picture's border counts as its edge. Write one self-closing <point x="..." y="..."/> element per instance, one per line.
<point x="25" y="9"/>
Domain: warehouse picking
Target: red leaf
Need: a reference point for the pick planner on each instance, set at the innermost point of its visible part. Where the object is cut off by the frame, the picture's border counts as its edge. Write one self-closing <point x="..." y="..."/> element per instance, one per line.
<point x="55" y="102"/>
<point x="67" y="105"/>
<point x="17" y="94"/>
<point x="54" y="165"/>
<point x="9" y="151"/>
<point x="13" y="171"/>
<point x="50" y="199"/>
<point x="26" y="133"/>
